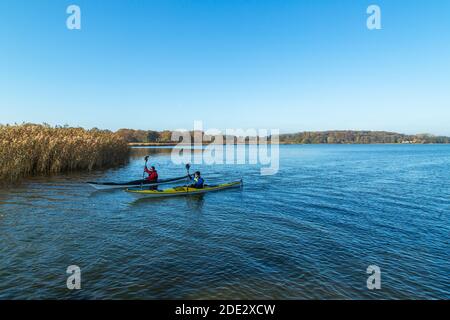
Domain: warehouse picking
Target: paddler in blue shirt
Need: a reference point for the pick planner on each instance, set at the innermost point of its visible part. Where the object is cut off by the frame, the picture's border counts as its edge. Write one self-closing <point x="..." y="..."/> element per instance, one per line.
<point x="198" y="181"/>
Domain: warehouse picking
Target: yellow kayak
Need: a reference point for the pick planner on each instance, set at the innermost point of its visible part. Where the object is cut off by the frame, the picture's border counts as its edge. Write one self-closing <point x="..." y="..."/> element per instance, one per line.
<point x="183" y="190"/>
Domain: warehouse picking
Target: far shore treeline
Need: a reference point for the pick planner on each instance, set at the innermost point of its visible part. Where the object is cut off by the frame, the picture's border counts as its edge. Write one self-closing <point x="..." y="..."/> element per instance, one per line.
<point x="151" y="137"/>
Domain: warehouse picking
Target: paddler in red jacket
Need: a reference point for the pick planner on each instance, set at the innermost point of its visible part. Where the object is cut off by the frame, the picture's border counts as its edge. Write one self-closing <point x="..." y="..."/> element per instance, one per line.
<point x="152" y="174"/>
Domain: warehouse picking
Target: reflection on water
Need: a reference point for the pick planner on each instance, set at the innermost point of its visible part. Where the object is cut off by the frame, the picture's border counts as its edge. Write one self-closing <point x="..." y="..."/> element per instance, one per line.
<point x="194" y="202"/>
<point x="310" y="231"/>
<point x="140" y="153"/>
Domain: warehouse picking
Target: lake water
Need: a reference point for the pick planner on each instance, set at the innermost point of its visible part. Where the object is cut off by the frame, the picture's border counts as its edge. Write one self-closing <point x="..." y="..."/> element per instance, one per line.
<point x="308" y="232"/>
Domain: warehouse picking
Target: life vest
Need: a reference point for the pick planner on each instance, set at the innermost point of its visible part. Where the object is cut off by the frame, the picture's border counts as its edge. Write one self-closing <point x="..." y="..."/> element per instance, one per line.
<point x="152" y="174"/>
<point x="199" y="182"/>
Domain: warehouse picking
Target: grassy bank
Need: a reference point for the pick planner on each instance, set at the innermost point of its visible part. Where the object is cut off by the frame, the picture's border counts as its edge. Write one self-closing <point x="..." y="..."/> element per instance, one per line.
<point x="29" y="149"/>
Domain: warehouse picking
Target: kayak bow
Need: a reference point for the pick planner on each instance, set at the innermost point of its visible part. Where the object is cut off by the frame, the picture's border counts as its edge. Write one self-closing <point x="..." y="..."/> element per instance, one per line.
<point x="182" y="190"/>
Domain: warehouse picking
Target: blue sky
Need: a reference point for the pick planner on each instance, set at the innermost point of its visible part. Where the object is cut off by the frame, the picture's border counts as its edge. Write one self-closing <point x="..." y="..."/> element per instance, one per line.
<point x="293" y="65"/>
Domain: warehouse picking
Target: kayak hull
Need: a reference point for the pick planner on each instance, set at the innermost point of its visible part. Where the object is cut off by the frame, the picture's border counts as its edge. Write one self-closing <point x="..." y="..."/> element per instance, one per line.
<point x="182" y="190"/>
<point x="131" y="184"/>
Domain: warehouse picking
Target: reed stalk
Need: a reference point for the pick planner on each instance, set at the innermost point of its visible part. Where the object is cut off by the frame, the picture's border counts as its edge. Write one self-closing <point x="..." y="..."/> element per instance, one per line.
<point x="31" y="150"/>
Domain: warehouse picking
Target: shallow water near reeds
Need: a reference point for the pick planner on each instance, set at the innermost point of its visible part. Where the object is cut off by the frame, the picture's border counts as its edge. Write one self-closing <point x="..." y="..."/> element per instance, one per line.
<point x="308" y="232"/>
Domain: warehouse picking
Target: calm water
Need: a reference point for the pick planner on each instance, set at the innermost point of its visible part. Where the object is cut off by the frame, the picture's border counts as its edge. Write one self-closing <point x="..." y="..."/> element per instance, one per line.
<point x="308" y="232"/>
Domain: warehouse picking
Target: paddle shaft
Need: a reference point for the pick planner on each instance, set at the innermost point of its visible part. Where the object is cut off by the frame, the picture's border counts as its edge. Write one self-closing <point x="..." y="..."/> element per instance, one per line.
<point x="145" y="166"/>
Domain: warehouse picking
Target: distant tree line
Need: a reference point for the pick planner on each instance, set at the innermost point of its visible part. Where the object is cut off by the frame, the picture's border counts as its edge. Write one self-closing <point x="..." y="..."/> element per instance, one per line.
<point x="359" y="137"/>
<point x="165" y="137"/>
<point x="307" y="137"/>
<point x="145" y="136"/>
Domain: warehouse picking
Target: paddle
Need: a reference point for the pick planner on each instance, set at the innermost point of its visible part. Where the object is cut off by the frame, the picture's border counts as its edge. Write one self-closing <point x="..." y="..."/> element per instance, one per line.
<point x="188" y="166"/>
<point x="145" y="166"/>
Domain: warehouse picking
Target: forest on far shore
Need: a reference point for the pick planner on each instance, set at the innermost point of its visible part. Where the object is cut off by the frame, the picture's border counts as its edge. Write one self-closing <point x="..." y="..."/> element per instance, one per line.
<point x="307" y="137"/>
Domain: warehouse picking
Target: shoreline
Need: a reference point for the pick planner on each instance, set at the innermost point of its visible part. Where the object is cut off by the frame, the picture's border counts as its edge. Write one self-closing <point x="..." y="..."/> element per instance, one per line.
<point x="174" y="144"/>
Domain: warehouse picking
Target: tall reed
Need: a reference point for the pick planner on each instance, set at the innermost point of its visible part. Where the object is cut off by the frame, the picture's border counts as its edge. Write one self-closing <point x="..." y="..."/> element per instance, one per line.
<point x="30" y="149"/>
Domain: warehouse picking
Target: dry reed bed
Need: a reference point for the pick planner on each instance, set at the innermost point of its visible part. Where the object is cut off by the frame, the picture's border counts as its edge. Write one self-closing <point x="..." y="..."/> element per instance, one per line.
<point x="29" y="149"/>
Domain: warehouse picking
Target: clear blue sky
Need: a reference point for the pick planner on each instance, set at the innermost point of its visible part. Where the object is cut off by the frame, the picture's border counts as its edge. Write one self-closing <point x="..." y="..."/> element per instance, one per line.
<point x="293" y="65"/>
